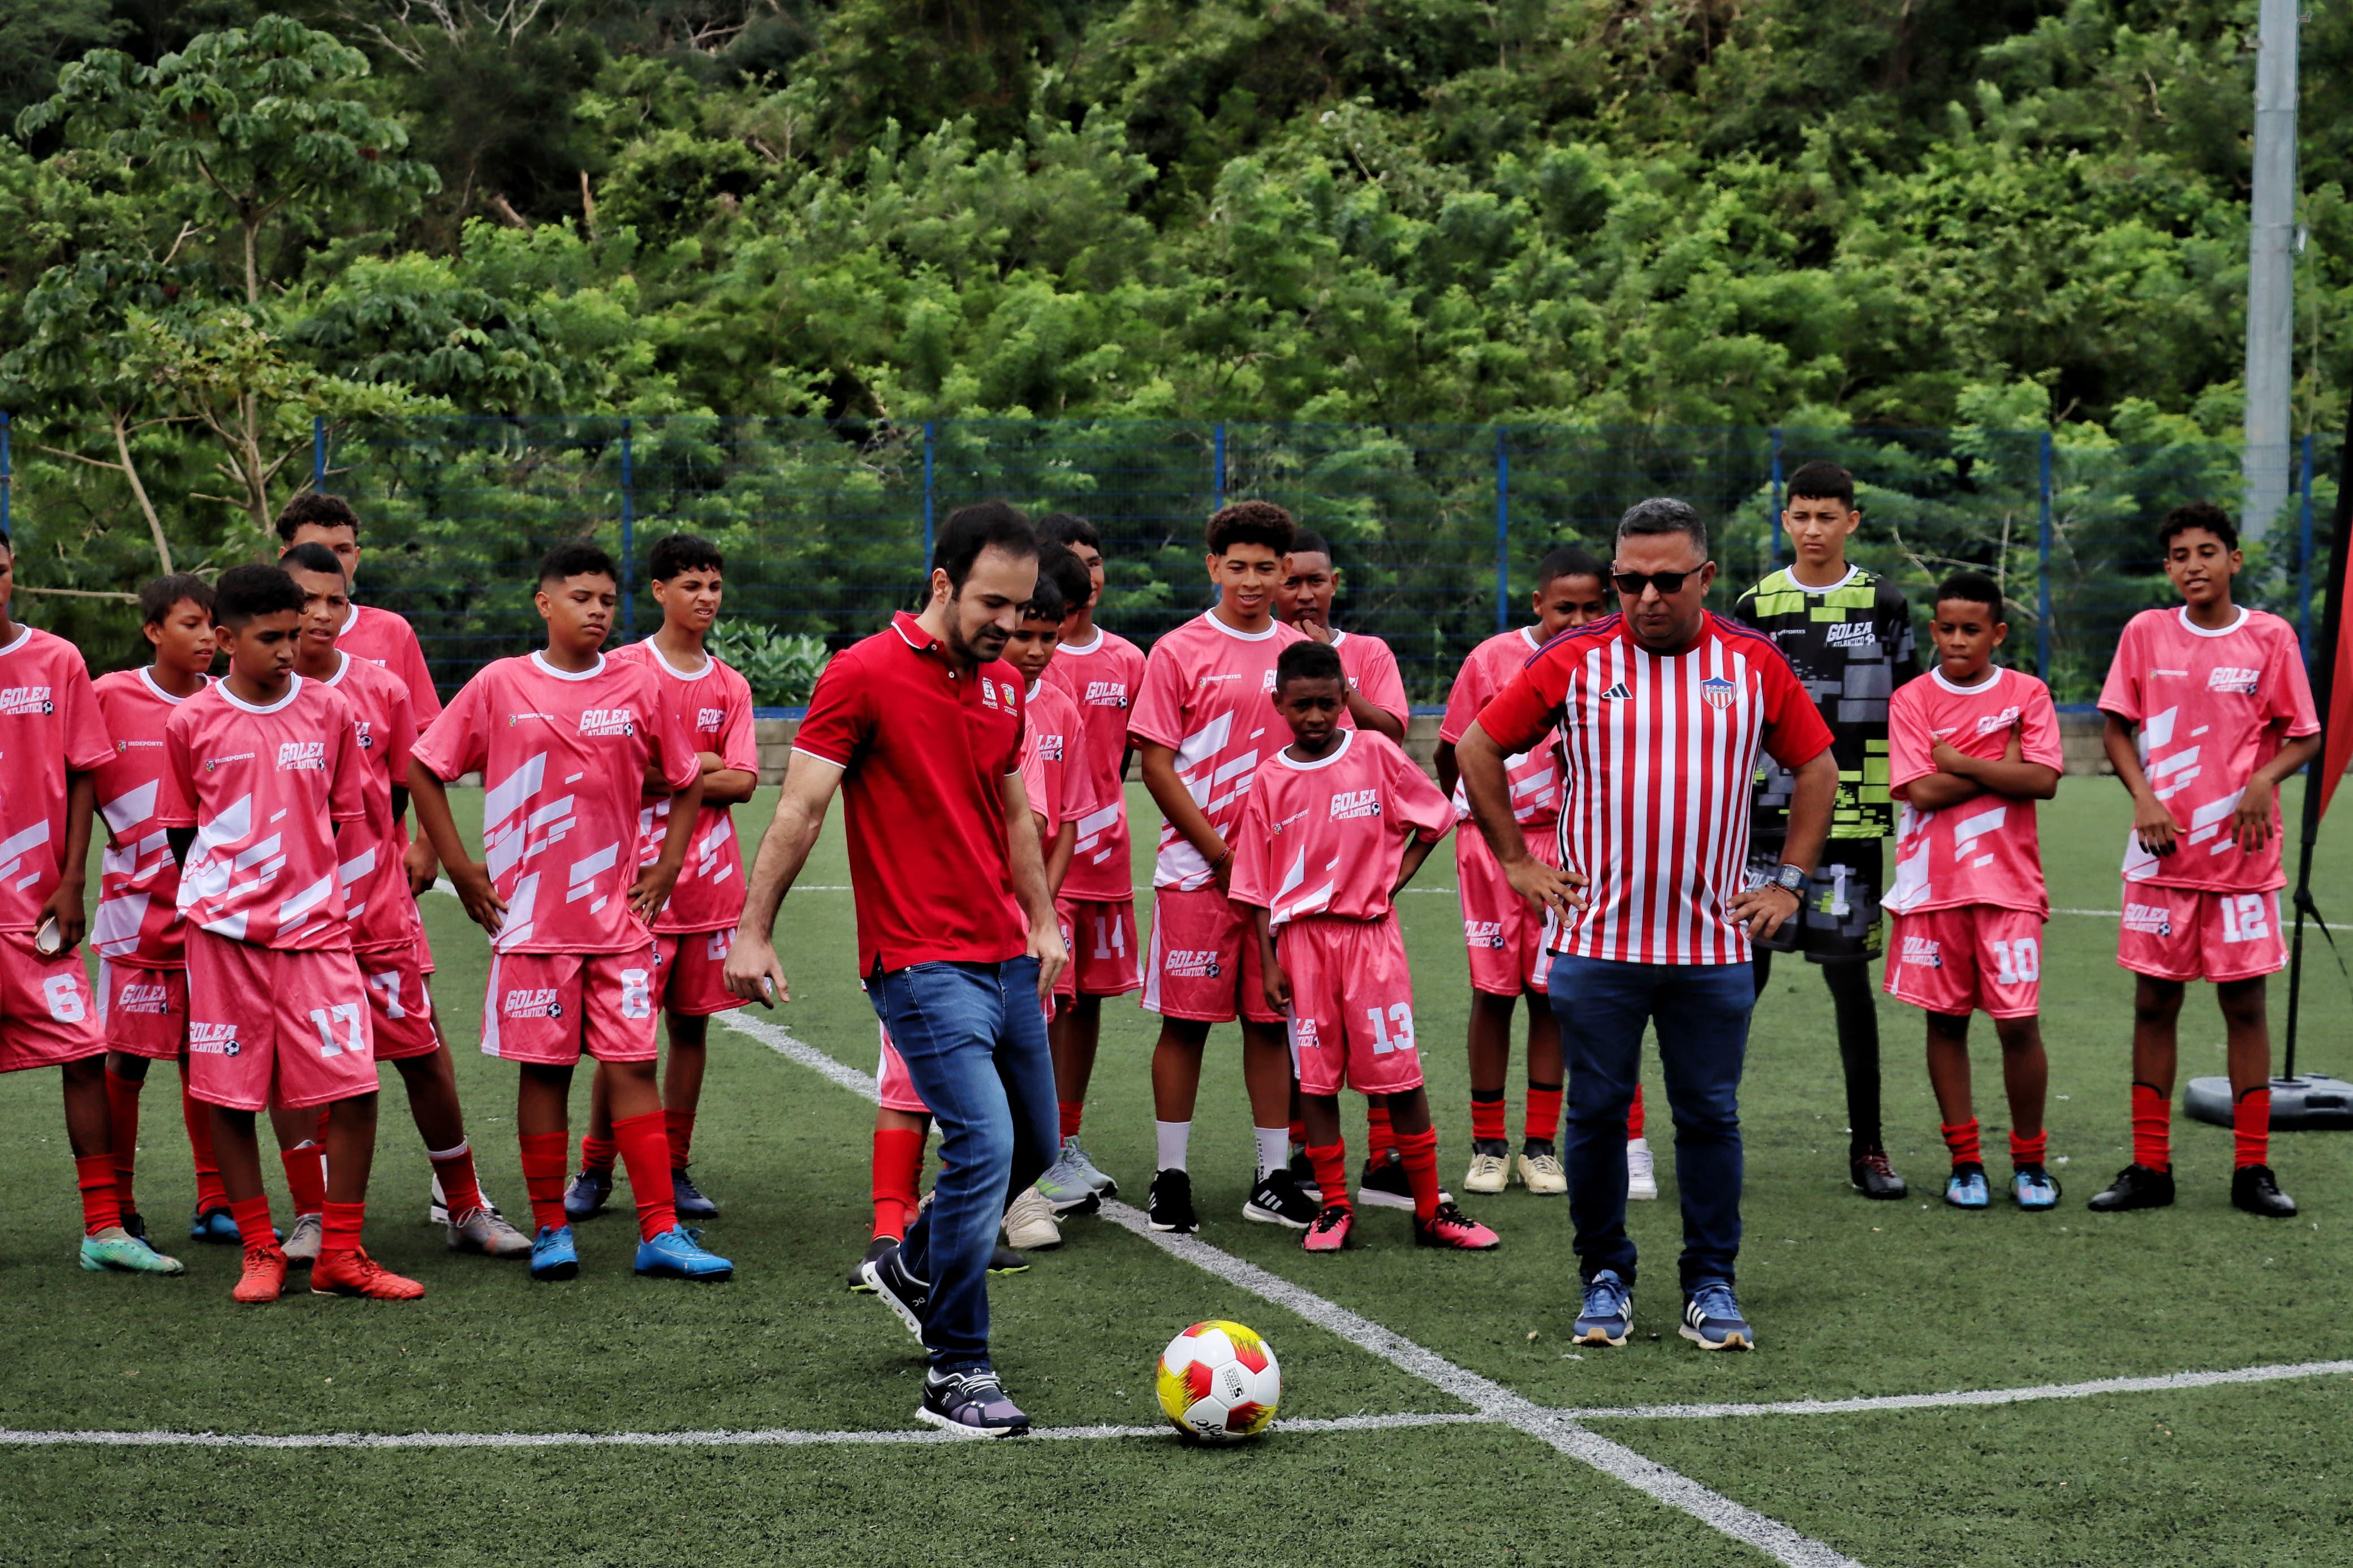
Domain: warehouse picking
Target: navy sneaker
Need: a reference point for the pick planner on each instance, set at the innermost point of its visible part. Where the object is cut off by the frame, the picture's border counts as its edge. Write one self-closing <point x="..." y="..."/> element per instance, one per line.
<point x="678" y="1254"/>
<point x="553" y="1256"/>
<point x="688" y="1199"/>
<point x="874" y="1249"/>
<point x="907" y="1296"/>
<point x="970" y="1404"/>
<point x="2035" y="1188"/>
<point x="1965" y="1187"/>
<point x="587" y="1196"/>
<point x="1608" y="1310"/>
<point x="1711" y="1319"/>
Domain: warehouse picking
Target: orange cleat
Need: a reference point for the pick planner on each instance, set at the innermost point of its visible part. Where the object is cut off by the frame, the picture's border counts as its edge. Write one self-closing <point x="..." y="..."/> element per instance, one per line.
<point x="354" y="1273"/>
<point x="264" y="1279"/>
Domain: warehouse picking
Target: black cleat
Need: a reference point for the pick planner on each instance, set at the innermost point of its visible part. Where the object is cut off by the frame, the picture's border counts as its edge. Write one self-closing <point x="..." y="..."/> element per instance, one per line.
<point x="588" y="1193"/>
<point x="874" y="1249"/>
<point x="687" y="1198"/>
<point x="136" y="1224"/>
<point x="1384" y="1185"/>
<point x="1171" y="1203"/>
<point x="1277" y="1200"/>
<point x="2136" y="1187"/>
<point x="1874" y="1177"/>
<point x="1302" y="1172"/>
<point x="2255" y="1189"/>
<point x="1002" y="1260"/>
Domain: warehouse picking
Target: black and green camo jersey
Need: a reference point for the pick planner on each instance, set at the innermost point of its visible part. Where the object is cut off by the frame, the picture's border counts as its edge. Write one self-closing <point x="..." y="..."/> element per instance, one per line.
<point x="1852" y="645"/>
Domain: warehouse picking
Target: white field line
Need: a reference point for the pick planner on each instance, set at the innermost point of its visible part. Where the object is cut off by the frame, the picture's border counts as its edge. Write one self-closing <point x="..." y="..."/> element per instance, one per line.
<point x="1972" y="1398"/>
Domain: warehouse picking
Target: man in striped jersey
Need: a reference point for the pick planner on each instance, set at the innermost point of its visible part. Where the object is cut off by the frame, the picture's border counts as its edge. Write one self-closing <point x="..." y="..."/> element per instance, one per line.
<point x="1663" y="710"/>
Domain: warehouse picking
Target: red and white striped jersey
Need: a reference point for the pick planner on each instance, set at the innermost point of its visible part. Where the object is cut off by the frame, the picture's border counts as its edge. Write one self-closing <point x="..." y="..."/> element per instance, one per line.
<point x="1659" y="752"/>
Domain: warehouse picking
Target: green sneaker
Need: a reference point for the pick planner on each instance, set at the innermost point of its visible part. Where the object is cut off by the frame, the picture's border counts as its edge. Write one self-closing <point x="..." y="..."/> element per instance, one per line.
<point x="116" y="1249"/>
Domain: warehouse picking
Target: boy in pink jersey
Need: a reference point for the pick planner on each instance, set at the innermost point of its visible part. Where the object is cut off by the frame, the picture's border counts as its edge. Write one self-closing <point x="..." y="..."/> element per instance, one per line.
<point x="563" y="739"/>
<point x="1504" y="933"/>
<point x="142" y="980"/>
<point x="1337" y="823"/>
<point x="1201" y="723"/>
<point x="263" y="773"/>
<point x="52" y="740"/>
<point x="1102" y="672"/>
<point x="1971" y="747"/>
<point x="713" y="705"/>
<point x="1311" y="582"/>
<point x="2223" y="713"/>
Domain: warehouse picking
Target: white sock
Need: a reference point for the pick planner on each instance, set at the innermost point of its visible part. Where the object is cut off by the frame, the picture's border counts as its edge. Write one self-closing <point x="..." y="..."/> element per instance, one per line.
<point x="1273" y="1148"/>
<point x="1173" y="1137"/>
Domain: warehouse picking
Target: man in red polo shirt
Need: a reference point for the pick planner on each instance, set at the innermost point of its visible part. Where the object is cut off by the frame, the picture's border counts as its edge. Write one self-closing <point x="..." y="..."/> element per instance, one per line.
<point x="957" y="943"/>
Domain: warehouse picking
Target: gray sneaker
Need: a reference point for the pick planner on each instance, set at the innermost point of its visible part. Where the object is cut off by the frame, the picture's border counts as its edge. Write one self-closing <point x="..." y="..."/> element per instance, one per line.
<point x="1066" y="1186"/>
<point x="484" y="1231"/>
<point x="302" y="1241"/>
<point x="1095" y="1177"/>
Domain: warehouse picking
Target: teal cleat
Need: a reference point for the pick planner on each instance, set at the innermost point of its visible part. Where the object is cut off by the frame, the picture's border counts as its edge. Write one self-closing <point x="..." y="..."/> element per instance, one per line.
<point x="553" y="1256"/>
<point x="2035" y="1188"/>
<point x="676" y="1254"/>
<point x="115" y="1250"/>
<point x="1965" y="1187"/>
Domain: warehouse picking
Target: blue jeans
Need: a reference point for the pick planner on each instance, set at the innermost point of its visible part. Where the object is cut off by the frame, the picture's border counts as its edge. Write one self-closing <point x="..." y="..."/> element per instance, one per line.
<point x="975" y="1046"/>
<point x="1701" y="1011"/>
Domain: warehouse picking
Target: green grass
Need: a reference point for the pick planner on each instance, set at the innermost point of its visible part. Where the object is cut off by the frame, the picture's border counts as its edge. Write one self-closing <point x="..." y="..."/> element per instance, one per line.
<point x="1850" y="1297"/>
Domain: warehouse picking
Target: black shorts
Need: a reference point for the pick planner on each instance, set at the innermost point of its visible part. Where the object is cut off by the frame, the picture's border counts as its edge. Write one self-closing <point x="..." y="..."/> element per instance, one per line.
<point x="1837" y="921"/>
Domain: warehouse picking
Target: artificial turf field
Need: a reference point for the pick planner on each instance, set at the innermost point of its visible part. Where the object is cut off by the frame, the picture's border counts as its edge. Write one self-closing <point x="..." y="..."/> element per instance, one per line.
<point x="1852" y="1299"/>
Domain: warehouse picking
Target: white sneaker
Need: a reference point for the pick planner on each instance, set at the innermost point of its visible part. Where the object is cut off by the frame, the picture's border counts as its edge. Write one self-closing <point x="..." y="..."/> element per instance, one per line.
<point x="1488" y="1174"/>
<point x="437" y="1207"/>
<point x="1641" y="1175"/>
<point x="1543" y="1173"/>
<point x="1029" y="1222"/>
<point x="302" y="1241"/>
<point x="485" y="1231"/>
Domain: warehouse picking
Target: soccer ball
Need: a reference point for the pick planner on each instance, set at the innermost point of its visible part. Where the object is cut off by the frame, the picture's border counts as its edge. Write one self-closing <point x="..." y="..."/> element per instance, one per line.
<point x="1218" y="1383"/>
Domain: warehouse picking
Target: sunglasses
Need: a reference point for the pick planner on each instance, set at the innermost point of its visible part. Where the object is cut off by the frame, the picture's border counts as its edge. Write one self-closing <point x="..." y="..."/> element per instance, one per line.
<point x="1632" y="584"/>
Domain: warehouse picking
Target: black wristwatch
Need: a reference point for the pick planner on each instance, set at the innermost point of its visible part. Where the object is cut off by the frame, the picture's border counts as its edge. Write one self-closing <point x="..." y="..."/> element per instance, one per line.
<point x="1792" y="879"/>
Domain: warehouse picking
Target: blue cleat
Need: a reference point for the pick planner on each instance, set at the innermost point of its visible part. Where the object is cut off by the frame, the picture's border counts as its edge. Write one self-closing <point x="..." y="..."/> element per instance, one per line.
<point x="553" y="1256"/>
<point x="1608" y="1312"/>
<point x="1965" y="1187"/>
<point x="675" y="1254"/>
<point x="1711" y="1319"/>
<point x="218" y="1225"/>
<point x="587" y="1193"/>
<point x="2035" y="1188"/>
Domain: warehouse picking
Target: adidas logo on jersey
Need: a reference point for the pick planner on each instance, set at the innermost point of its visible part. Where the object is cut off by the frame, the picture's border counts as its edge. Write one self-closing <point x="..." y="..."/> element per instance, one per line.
<point x="1349" y="804"/>
<point x="2149" y="920"/>
<point x="531" y="1001"/>
<point x="1483" y="933"/>
<point x="17" y="701"/>
<point x="608" y="722"/>
<point x="1617" y="693"/>
<point x="1923" y="952"/>
<point x="1107" y="694"/>
<point x="1191" y="964"/>
<point x="144" y="996"/>
<point x="213" y="1039"/>
<point x="301" y="756"/>
<point x="1851" y="634"/>
<point x="2235" y="680"/>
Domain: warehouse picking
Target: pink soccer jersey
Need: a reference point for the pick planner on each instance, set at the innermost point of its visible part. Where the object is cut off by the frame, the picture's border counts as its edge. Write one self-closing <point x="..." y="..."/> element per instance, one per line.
<point x="1534" y="774"/>
<point x="389" y="642"/>
<point x="714" y="707"/>
<point x="261" y="785"/>
<point x="563" y="759"/>
<point x="1209" y="696"/>
<point x="1103" y="677"/>
<point x="1326" y="837"/>
<point x="2212" y="707"/>
<point x="1054" y="771"/>
<point x="1372" y="671"/>
<point x="138" y="917"/>
<point x="49" y="726"/>
<point x="375" y="884"/>
<point x="1984" y="850"/>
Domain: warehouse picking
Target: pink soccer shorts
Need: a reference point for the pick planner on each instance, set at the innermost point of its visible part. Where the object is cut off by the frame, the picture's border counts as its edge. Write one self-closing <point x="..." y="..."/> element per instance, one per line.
<point x="2189" y="934"/>
<point x="1101" y="934"/>
<point x="402" y="1003"/>
<point x="895" y="1089"/>
<point x="1350" y="1006"/>
<point x="143" y="1012"/>
<point x="47" y="1013"/>
<point x="549" y="1007"/>
<point x="693" y="968"/>
<point x="1204" y="960"/>
<point x="1973" y="958"/>
<point x="1508" y="938"/>
<point x="267" y="1027"/>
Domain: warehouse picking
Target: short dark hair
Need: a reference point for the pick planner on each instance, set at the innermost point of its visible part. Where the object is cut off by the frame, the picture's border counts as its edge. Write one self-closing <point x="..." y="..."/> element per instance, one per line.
<point x="984" y="525"/>
<point x="1972" y="588"/>
<point x="1044" y="602"/>
<point x="682" y="552"/>
<point x="319" y="510"/>
<point x="1664" y="514"/>
<point x="1819" y="480"/>
<point x="577" y="559"/>
<point x="1308" y="660"/>
<point x="1307" y="542"/>
<point x="1069" y="528"/>
<point x="1250" y="523"/>
<point x="244" y="592"/>
<point x="158" y="594"/>
<point x="1569" y="560"/>
<point x="1058" y="565"/>
<point x="2202" y="514"/>
<point x="310" y="556"/>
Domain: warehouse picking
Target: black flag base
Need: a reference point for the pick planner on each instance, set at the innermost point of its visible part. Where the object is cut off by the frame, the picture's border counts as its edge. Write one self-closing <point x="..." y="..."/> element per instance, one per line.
<point x="2308" y="1103"/>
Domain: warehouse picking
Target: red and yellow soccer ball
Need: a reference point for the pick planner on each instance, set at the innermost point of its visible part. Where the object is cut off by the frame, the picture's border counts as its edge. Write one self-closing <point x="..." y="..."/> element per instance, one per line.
<point x="1218" y="1383"/>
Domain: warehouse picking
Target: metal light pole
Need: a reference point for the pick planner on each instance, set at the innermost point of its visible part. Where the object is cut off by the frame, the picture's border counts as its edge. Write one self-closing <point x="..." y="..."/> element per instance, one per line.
<point x="2271" y="269"/>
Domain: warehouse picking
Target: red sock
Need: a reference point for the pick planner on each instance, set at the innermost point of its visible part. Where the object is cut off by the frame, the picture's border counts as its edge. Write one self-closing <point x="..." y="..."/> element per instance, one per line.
<point x="1419" y="1152"/>
<point x="2152" y="1128"/>
<point x="1070" y="1110"/>
<point x="2250" y="1128"/>
<point x="462" y="1190"/>
<point x="1331" y="1172"/>
<point x="1962" y="1139"/>
<point x="1486" y="1116"/>
<point x="122" y="1133"/>
<point x="340" y="1228"/>
<point x="306" y="1176"/>
<point x="597" y="1153"/>
<point x="680" y="1124"/>
<point x="543" y="1158"/>
<point x="253" y="1226"/>
<point x="95" y="1175"/>
<point x="1380" y="1141"/>
<point x="1541" y="1121"/>
<point x="198" y="1118"/>
<point x="898" y="1172"/>
<point x="644" y="1143"/>
<point x="2025" y="1151"/>
<point x="1634" y="1116"/>
<point x="1298" y="1134"/>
